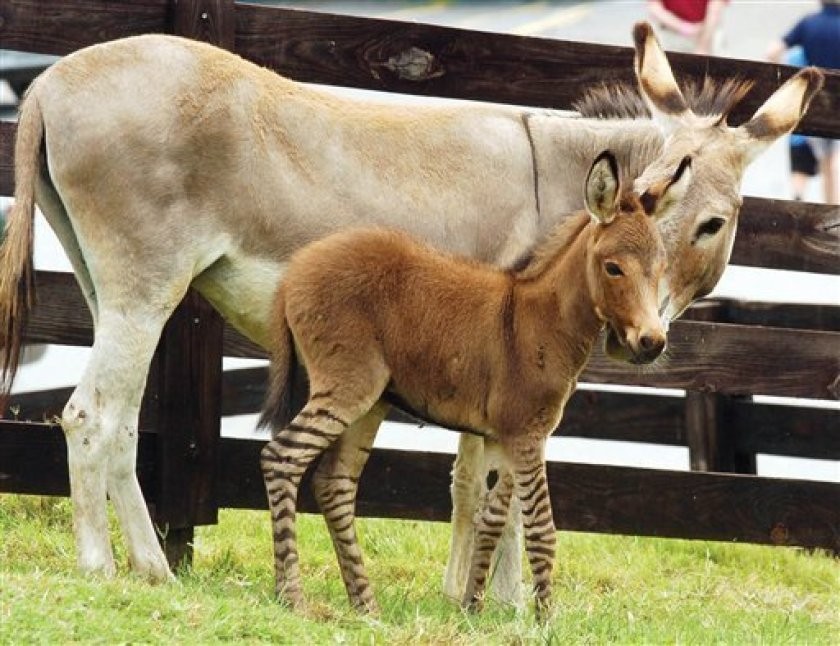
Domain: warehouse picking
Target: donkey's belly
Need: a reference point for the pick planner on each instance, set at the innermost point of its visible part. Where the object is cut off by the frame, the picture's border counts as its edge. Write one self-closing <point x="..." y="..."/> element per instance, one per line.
<point x="242" y="289"/>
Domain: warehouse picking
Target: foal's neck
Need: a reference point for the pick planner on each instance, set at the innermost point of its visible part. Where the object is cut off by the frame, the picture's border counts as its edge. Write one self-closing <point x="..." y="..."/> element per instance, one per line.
<point x="559" y="304"/>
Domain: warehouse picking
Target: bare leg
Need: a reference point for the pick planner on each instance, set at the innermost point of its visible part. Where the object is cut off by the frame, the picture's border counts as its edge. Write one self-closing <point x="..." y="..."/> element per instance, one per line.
<point x="469" y="486"/>
<point x="489" y="530"/>
<point x="335" y="483"/>
<point x="100" y="424"/>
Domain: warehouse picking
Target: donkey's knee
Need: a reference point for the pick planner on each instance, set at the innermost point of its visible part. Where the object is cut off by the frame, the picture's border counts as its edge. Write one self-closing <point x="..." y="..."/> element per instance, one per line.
<point x="82" y="428"/>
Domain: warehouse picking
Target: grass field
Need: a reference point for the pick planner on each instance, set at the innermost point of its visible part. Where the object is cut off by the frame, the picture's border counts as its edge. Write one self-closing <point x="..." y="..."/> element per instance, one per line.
<point x="608" y="590"/>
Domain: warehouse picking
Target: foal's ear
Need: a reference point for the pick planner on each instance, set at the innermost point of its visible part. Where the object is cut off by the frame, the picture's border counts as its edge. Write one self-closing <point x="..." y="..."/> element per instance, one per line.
<point x="601" y="190"/>
<point x="656" y="80"/>
<point x="659" y="198"/>
<point x="781" y="112"/>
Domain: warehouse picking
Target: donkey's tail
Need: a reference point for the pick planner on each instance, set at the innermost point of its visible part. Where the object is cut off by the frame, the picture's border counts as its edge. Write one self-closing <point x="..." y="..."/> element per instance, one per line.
<point x="17" y="273"/>
<point x="277" y="409"/>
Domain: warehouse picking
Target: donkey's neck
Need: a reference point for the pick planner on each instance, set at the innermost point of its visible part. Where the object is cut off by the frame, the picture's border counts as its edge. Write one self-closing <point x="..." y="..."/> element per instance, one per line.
<point x="564" y="148"/>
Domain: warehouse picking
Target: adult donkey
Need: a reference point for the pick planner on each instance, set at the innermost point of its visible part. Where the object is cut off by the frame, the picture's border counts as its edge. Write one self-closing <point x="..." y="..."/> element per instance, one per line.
<point x="163" y="163"/>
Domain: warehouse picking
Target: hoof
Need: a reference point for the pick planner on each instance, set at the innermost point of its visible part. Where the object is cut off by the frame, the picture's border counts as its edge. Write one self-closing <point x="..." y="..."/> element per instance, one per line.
<point x="290" y="599"/>
<point x="98" y="570"/>
<point x="367" y="607"/>
<point x="154" y="570"/>
<point x="473" y="604"/>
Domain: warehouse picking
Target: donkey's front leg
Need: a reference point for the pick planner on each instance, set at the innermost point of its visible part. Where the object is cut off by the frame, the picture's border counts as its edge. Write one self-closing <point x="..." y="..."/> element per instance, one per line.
<point x="490" y="527"/>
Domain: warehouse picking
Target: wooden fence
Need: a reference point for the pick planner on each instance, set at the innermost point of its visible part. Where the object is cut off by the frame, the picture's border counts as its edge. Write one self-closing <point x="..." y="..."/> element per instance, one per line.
<point x="722" y="354"/>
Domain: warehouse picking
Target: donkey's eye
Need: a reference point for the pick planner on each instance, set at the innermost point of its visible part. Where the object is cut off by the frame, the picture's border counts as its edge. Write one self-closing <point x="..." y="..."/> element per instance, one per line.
<point x="709" y="227"/>
<point x="613" y="269"/>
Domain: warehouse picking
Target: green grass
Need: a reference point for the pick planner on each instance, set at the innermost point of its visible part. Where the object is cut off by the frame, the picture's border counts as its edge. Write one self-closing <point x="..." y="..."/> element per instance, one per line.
<point x="608" y="589"/>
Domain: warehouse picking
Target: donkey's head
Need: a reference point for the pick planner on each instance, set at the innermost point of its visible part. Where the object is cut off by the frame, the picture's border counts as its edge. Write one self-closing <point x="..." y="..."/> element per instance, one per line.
<point x="699" y="233"/>
<point x="626" y="259"/>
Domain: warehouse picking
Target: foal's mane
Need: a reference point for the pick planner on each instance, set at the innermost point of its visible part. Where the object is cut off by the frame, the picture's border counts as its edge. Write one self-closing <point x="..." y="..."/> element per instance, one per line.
<point x="554" y="245"/>
<point x="623" y="101"/>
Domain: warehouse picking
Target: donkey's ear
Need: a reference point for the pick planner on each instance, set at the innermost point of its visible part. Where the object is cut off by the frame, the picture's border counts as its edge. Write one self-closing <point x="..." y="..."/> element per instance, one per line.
<point x="781" y="112"/>
<point x="601" y="190"/>
<point x="656" y="80"/>
<point x="658" y="199"/>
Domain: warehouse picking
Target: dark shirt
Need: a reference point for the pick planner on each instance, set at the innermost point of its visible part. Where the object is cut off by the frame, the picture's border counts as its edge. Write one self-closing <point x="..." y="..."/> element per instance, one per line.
<point x="819" y="36"/>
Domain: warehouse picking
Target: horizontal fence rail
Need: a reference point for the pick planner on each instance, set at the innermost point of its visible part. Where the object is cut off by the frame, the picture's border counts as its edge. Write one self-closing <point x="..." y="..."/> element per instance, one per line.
<point x="712" y="357"/>
<point x="723" y="352"/>
<point x="792" y="431"/>
<point x="591" y="498"/>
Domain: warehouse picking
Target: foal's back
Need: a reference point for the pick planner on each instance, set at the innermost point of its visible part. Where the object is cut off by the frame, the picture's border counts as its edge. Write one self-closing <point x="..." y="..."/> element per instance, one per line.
<point x="379" y="292"/>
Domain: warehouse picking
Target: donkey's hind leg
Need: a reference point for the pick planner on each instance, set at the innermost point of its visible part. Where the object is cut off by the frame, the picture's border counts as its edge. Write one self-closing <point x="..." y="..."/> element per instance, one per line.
<point x="335" y="483"/>
<point x="469" y="486"/>
<point x="100" y="425"/>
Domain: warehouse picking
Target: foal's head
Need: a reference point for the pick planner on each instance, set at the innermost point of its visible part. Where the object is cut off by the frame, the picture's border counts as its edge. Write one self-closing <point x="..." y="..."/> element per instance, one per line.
<point x="626" y="257"/>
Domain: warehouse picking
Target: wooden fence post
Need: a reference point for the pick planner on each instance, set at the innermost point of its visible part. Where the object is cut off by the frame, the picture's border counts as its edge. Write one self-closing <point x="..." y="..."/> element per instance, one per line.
<point x="185" y="382"/>
<point x="709" y="417"/>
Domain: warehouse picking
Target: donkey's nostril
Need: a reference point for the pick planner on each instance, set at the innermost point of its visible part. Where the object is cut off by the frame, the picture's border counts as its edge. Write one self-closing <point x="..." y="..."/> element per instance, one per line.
<point x="647" y="343"/>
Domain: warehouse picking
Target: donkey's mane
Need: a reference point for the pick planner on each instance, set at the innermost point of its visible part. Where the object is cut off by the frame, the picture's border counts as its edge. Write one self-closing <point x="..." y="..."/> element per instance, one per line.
<point x="623" y="101"/>
<point x="555" y="244"/>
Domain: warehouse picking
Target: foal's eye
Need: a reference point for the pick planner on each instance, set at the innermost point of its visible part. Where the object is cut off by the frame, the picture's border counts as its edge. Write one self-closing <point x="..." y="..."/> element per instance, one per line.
<point x="613" y="269"/>
<point x="709" y="227"/>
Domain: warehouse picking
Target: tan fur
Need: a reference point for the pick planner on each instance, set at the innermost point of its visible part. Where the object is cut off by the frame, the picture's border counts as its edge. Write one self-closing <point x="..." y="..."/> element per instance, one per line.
<point x="375" y="314"/>
<point x="171" y="163"/>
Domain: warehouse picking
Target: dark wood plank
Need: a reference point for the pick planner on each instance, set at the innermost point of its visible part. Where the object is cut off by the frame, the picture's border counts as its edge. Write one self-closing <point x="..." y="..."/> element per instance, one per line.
<point x="755" y="428"/>
<point x="429" y="60"/>
<point x="63" y="26"/>
<point x="61" y="314"/>
<point x="721" y="507"/>
<point x="730" y="359"/>
<point x="400" y="484"/>
<point x="592" y="498"/>
<point x="788" y="235"/>
<point x="7" y="158"/>
<point x="736" y="360"/>
<point x="189" y="363"/>
<point x="824" y="318"/>
<point x="209" y="20"/>
<point x="784" y="430"/>
<point x="702" y="424"/>
<point x="33" y="460"/>
<point x="185" y="388"/>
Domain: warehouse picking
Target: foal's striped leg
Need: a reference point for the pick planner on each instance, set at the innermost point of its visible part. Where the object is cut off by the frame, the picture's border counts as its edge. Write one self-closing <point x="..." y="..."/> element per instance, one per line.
<point x="489" y="530"/>
<point x="335" y="483"/>
<point x="540" y="533"/>
<point x="284" y="460"/>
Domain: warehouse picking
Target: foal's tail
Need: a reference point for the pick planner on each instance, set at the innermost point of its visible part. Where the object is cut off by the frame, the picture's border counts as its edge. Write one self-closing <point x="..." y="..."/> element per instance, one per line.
<point x="277" y="409"/>
<point x="17" y="273"/>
